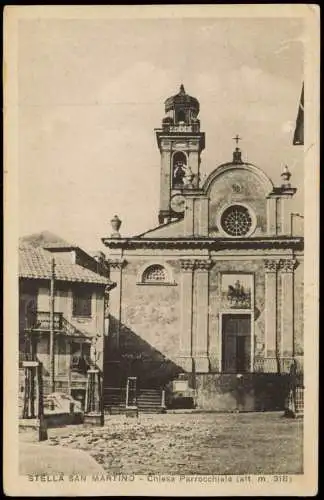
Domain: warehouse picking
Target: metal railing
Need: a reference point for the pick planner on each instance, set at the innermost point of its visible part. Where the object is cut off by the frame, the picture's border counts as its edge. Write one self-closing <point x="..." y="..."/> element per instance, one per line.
<point x="41" y="321"/>
<point x="274" y="364"/>
<point x="260" y="365"/>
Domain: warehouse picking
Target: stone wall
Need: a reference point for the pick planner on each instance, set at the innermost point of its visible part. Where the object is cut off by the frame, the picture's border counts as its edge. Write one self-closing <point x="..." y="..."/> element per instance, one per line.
<point x="149" y="329"/>
<point x="252" y="392"/>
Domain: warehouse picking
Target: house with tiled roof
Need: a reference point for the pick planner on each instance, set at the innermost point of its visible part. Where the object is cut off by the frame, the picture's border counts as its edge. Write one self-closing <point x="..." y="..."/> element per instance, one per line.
<point x="81" y="287"/>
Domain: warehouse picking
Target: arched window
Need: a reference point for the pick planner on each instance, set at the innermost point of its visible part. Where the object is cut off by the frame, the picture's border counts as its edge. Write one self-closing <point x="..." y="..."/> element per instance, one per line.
<point x="155" y="274"/>
<point x="181" y="117"/>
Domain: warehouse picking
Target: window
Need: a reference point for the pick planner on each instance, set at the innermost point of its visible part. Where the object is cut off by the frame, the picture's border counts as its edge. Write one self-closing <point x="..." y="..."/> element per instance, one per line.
<point x="155" y="274"/>
<point x="82" y="302"/>
<point x="236" y="220"/>
<point x="181" y="117"/>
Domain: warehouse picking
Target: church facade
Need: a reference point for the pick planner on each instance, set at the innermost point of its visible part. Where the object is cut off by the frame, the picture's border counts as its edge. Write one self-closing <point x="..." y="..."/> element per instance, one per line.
<point x="214" y="293"/>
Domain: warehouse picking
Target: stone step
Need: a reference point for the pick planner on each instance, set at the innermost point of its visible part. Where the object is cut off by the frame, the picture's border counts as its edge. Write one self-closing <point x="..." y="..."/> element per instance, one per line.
<point x="118" y="410"/>
<point x="148" y="400"/>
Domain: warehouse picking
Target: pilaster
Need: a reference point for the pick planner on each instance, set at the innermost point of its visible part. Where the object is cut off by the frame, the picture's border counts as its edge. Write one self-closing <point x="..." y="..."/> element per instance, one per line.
<point x="201" y="291"/>
<point x="116" y="268"/>
<point x="271" y="268"/>
<point x="165" y="182"/>
<point x="189" y="217"/>
<point x="287" y="267"/>
<point x="187" y="267"/>
<point x="271" y="215"/>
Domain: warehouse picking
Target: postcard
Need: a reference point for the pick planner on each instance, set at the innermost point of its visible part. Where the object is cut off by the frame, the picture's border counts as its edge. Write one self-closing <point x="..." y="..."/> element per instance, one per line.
<point x="161" y="185"/>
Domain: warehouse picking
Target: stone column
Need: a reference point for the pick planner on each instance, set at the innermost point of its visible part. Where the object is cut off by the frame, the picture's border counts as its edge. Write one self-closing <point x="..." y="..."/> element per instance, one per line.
<point x="187" y="267"/>
<point x="115" y="298"/>
<point x="201" y="291"/>
<point x="202" y="223"/>
<point x="287" y="267"/>
<point x="271" y="267"/>
<point x="188" y="223"/>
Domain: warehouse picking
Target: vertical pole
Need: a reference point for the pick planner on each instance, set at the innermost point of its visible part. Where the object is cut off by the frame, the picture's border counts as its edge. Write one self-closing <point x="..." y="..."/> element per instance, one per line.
<point x="101" y="401"/>
<point x="26" y="394"/>
<point x="86" y="401"/>
<point x="42" y="435"/>
<point x="127" y="392"/>
<point x="69" y="370"/>
<point x="32" y="392"/>
<point x="52" y="335"/>
<point x="163" y="399"/>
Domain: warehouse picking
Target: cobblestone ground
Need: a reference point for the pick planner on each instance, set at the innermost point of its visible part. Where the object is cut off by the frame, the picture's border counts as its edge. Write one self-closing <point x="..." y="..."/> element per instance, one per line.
<point x="200" y="443"/>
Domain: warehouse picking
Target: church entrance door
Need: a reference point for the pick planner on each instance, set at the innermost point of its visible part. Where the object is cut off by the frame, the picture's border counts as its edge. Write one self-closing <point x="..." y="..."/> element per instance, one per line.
<point x="236" y="343"/>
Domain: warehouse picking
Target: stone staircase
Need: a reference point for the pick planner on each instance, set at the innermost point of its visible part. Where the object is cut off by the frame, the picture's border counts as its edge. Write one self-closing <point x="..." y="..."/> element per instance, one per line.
<point x="148" y="400"/>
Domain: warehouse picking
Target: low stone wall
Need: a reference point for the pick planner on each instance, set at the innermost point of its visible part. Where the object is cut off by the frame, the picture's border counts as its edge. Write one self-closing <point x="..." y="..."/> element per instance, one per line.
<point x="250" y="392"/>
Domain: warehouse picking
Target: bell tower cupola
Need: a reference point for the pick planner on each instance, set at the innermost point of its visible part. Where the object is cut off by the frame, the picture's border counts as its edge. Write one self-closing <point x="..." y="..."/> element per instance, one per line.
<point x="180" y="143"/>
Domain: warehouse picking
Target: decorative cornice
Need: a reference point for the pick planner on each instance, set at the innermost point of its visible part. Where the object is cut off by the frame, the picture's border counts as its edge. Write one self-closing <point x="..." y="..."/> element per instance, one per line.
<point x="266" y="243"/>
<point x="198" y="264"/>
<point x="282" y="191"/>
<point x="271" y="266"/>
<point x="288" y="265"/>
<point x="187" y="264"/>
<point x="117" y="263"/>
<point x="166" y="147"/>
<point x="203" y="265"/>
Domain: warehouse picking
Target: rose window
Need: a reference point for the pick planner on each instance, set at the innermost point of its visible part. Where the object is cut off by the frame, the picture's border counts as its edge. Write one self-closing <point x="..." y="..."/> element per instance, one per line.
<point x="236" y="220"/>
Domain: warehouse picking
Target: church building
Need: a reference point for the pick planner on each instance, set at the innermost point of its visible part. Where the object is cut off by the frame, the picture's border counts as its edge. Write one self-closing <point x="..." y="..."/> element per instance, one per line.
<point x="214" y="293"/>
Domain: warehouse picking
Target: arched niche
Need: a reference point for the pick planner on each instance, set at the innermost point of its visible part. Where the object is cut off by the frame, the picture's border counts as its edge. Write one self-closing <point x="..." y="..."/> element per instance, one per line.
<point x="179" y="164"/>
<point x="180" y="116"/>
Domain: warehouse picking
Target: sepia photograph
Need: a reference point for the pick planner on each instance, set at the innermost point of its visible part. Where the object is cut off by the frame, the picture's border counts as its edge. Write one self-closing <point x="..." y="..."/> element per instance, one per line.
<point x="161" y="214"/>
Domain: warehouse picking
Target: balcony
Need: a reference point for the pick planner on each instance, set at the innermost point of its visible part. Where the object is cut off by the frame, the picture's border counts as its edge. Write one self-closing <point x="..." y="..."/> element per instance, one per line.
<point x="40" y="321"/>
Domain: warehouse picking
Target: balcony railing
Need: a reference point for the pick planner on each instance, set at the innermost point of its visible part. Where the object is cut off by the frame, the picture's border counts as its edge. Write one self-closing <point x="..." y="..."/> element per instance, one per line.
<point x="41" y="320"/>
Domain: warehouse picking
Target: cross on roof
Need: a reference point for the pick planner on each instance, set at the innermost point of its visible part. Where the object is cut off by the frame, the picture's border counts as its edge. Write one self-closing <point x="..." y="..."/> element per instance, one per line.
<point x="237" y="138"/>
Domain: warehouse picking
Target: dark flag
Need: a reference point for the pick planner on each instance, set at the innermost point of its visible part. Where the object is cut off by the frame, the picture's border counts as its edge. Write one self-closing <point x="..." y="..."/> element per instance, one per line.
<point x="299" y="130"/>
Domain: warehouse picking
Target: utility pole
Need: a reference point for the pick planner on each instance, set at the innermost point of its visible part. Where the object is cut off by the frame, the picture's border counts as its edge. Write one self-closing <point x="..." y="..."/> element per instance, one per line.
<point x="52" y="332"/>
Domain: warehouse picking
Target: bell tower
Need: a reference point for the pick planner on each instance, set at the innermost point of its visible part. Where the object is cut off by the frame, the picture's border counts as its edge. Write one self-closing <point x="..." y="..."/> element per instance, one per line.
<point x="180" y="143"/>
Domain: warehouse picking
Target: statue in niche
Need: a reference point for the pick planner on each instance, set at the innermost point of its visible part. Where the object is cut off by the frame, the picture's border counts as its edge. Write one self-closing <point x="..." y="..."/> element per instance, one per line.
<point x="179" y="173"/>
<point x="188" y="178"/>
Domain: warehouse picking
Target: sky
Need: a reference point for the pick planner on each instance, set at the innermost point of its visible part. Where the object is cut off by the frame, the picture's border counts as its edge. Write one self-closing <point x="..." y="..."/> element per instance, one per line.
<point x="92" y="91"/>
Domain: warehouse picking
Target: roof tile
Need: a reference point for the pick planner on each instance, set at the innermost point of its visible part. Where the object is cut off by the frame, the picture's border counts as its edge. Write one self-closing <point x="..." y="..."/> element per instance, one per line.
<point x="35" y="263"/>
